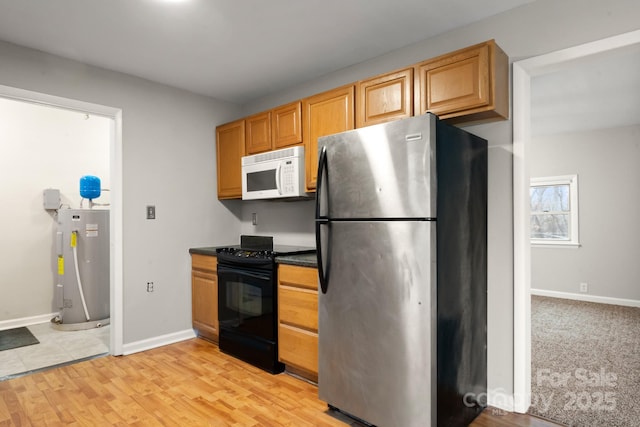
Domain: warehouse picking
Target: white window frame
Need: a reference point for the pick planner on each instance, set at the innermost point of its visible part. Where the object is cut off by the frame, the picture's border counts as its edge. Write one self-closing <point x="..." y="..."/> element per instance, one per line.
<point x="574" y="237"/>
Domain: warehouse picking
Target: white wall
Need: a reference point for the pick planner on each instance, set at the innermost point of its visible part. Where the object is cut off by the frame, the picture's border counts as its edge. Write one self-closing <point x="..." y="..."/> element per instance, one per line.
<point x="168" y="155"/>
<point x="534" y="29"/>
<point x="291" y="222"/>
<point x="606" y="162"/>
<point x="41" y="147"/>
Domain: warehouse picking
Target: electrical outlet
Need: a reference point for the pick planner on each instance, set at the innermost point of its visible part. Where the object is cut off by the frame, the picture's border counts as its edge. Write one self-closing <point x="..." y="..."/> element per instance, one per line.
<point x="149" y="286"/>
<point x="584" y="287"/>
<point x="254" y="218"/>
<point x="151" y="212"/>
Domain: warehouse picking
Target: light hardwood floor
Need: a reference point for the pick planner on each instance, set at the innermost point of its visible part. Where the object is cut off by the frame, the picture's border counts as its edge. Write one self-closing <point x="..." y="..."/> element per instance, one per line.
<point x="190" y="383"/>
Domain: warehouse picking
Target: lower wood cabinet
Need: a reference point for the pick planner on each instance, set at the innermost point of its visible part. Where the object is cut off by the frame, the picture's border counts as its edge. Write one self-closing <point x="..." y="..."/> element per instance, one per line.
<point x="298" y="319"/>
<point x="204" y="296"/>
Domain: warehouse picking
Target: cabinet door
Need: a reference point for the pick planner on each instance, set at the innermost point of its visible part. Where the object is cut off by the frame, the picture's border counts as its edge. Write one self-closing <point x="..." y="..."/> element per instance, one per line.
<point x="229" y="151"/>
<point x="258" y="136"/>
<point x="324" y="114"/>
<point x="204" y="304"/>
<point x="286" y="125"/>
<point x="471" y="83"/>
<point x="384" y="98"/>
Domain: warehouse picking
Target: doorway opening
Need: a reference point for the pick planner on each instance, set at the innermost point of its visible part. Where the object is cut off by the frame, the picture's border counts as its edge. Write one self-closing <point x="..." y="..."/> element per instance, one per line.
<point x="112" y="124"/>
<point x="524" y="74"/>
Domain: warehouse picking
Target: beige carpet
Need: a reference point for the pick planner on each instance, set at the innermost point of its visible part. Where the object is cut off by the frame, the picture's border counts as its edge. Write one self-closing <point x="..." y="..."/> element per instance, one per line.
<point x="585" y="362"/>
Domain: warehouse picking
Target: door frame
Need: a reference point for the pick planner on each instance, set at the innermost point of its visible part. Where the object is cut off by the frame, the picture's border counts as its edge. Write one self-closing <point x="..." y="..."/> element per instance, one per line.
<point x="115" y="222"/>
<point x="523" y="71"/>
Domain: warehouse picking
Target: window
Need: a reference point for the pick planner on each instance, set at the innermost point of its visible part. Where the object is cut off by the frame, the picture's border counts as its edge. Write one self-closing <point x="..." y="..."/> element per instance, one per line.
<point x="554" y="210"/>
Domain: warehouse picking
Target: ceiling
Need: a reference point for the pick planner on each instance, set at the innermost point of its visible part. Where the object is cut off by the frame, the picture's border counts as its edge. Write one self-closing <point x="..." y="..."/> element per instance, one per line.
<point x="232" y="50"/>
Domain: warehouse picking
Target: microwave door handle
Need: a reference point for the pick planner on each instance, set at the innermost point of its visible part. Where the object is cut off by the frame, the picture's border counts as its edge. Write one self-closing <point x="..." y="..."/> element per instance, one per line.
<point x="279" y="178"/>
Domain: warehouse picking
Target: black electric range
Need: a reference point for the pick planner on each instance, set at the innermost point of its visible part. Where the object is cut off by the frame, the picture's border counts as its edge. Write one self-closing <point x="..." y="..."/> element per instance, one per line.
<point x="248" y="300"/>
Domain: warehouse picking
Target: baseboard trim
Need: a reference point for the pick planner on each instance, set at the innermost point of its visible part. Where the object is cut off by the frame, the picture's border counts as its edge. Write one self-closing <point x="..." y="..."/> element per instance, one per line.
<point x="499" y="399"/>
<point x="162" y="340"/>
<point x="26" y="321"/>
<point x="588" y="298"/>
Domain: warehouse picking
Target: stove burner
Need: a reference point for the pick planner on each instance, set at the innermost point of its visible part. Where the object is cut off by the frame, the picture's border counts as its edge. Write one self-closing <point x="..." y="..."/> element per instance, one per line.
<point x="258" y="248"/>
<point x="246" y="253"/>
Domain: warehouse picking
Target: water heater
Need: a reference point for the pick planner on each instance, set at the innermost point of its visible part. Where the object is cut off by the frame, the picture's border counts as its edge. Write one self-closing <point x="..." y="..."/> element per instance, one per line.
<point x="85" y="232"/>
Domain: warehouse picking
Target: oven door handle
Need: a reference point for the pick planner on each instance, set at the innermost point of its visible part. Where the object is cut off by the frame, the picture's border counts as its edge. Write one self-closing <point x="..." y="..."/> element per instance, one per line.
<point x="233" y="261"/>
<point x="222" y="269"/>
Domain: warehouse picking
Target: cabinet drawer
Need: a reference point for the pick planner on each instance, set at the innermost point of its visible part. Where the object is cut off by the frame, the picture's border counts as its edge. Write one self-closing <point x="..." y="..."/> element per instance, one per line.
<point x="204" y="262"/>
<point x="298" y="347"/>
<point x="298" y="307"/>
<point x="299" y="277"/>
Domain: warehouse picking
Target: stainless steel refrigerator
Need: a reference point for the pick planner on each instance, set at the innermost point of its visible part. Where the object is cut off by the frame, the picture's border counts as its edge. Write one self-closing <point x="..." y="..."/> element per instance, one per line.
<point x="401" y="213"/>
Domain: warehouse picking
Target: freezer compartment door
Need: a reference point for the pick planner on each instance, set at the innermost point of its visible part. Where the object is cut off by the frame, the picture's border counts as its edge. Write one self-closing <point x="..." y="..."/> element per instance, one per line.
<point x="381" y="171"/>
<point x="377" y="335"/>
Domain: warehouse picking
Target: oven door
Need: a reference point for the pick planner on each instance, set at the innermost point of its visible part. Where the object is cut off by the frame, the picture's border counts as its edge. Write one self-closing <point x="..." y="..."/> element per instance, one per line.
<point x="246" y="301"/>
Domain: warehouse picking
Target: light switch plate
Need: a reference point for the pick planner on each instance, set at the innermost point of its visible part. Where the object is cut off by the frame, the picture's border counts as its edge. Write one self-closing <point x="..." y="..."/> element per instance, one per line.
<point x="151" y="212"/>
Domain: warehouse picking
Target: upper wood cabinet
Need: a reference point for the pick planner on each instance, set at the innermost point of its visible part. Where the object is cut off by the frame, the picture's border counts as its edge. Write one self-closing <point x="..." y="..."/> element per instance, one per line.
<point x="258" y="133"/>
<point x="384" y="98"/>
<point x="229" y="151"/>
<point x="286" y="125"/>
<point x="470" y="84"/>
<point x="324" y="114"/>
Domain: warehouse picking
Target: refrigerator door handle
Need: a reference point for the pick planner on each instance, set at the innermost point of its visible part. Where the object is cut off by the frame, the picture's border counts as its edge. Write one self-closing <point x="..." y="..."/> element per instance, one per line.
<point x="321" y="275"/>
<point x="322" y="167"/>
<point x="320" y="220"/>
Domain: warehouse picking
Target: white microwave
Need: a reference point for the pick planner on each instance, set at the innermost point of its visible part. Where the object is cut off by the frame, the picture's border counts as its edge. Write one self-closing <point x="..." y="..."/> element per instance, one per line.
<point x="274" y="174"/>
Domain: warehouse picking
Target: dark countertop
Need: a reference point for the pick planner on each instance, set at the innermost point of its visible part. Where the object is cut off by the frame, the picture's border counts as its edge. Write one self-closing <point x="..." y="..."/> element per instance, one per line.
<point x="302" y="260"/>
<point x="211" y="250"/>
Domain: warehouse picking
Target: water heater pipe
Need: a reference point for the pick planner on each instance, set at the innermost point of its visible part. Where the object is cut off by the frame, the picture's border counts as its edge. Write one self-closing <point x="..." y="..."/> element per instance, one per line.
<point x="74" y="246"/>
